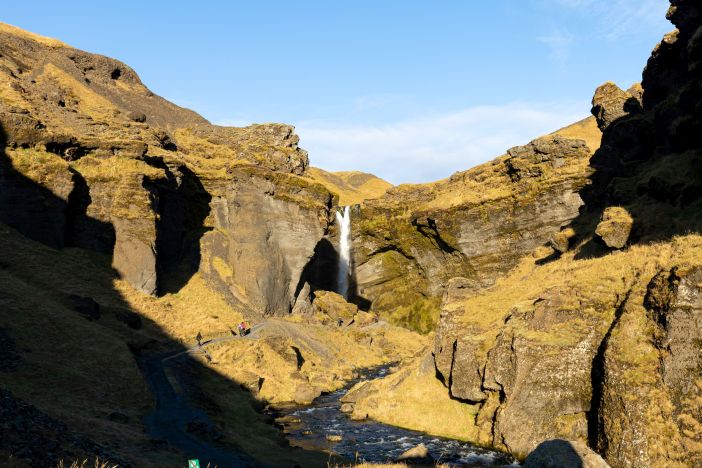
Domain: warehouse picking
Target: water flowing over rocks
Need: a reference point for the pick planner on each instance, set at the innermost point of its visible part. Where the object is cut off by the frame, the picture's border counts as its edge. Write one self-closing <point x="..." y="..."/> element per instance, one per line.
<point x="344" y="271"/>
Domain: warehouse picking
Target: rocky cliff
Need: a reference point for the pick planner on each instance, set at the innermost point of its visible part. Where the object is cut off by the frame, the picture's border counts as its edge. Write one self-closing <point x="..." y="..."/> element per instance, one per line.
<point x="562" y="278"/>
<point x="588" y="332"/>
<point x="155" y="184"/>
<point x="128" y="226"/>
<point x="476" y="224"/>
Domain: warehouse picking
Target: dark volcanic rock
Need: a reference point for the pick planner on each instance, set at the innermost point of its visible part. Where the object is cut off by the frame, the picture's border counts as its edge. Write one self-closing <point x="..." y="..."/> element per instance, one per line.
<point x="610" y="103"/>
<point x="614" y="227"/>
<point x="129" y="318"/>
<point x="9" y="357"/>
<point x="85" y="306"/>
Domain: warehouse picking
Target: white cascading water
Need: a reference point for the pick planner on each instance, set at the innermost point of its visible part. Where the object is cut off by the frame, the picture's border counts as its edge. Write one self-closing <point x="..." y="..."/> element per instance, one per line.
<point x="342" y="279"/>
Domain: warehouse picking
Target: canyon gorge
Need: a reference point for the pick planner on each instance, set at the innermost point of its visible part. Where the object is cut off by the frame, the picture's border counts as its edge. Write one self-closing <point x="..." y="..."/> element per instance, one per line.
<point x="554" y="292"/>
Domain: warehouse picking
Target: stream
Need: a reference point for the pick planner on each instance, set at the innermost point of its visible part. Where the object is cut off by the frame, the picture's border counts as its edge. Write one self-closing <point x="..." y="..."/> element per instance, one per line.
<point x="370" y="441"/>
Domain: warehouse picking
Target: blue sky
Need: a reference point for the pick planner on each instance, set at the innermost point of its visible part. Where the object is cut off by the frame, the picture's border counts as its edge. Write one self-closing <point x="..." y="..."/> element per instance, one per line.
<point x="409" y="90"/>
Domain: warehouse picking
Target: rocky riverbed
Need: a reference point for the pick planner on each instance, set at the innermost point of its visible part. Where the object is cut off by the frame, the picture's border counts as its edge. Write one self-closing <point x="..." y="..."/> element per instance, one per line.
<point x="324" y="426"/>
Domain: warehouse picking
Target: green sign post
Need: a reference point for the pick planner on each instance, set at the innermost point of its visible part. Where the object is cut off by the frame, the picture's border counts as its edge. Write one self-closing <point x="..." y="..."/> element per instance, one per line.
<point x="194" y="463"/>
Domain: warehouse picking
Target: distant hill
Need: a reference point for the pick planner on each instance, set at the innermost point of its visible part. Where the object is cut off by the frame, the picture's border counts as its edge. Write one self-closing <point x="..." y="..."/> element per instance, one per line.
<point x="353" y="187"/>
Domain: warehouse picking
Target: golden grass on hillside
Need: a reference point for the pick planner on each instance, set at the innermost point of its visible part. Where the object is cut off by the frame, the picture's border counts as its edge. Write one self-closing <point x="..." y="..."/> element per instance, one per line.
<point x="76" y="370"/>
<point x="15" y="31"/>
<point x="489" y="181"/>
<point x="114" y="168"/>
<point x="91" y="103"/>
<point x="39" y="166"/>
<point x="585" y="287"/>
<point x="352" y="187"/>
<point x="415" y="399"/>
<point x="196" y="308"/>
<point x="586" y="130"/>
<point x="80" y="371"/>
<point x="597" y="281"/>
<point x="331" y="355"/>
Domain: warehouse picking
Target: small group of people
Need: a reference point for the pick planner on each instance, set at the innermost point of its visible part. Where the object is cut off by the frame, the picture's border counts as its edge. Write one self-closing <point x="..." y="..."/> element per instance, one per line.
<point x="244" y="328"/>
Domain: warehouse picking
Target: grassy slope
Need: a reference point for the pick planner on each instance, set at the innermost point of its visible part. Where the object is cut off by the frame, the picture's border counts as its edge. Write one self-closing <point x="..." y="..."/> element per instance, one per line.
<point x="415" y="399"/>
<point x="352" y="187"/>
<point x="80" y="371"/>
<point x="408" y="399"/>
<point x="586" y="130"/>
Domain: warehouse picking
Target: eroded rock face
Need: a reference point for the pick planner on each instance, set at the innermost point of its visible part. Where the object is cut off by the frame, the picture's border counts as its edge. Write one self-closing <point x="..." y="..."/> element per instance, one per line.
<point x="661" y="376"/>
<point x="609" y="357"/>
<point x="409" y="243"/>
<point x="264" y="234"/>
<point x="533" y="364"/>
<point x="91" y="158"/>
<point x="271" y="145"/>
<point x="334" y="306"/>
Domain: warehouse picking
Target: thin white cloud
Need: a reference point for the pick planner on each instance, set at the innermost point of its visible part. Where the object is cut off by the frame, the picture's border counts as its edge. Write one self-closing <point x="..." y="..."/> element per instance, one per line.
<point x="630" y="17"/>
<point x="559" y="43"/>
<point x="611" y="19"/>
<point x="431" y="148"/>
<point x="379" y="101"/>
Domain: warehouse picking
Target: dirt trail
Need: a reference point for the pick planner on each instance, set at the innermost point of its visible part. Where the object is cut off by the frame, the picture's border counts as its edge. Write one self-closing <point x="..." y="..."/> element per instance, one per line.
<point x="170" y="420"/>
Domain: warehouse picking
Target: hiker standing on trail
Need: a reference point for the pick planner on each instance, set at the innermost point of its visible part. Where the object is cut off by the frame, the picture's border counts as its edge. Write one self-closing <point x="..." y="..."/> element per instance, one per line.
<point x="199" y="339"/>
<point x="244" y="328"/>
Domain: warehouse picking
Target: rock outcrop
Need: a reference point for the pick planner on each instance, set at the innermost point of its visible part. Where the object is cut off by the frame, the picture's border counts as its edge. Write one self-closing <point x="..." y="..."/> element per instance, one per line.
<point x="93" y="159"/>
<point x="588" y="346"/>
<point x="334" y="308"/>
<point x="561" y="337"/>
<point x="412" y="397"/>
<point x="476" y="224"/>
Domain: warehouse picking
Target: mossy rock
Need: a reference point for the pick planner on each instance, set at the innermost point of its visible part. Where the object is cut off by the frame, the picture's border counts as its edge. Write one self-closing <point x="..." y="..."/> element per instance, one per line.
<point x="615" y="227"/>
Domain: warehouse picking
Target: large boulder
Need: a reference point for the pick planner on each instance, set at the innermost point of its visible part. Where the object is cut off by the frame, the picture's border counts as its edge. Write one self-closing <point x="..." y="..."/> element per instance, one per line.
<point x="610" y="103"/>
<point x="334" y="306"/>
<point x="564" y="454"/>
<point x="615" y="227"/>
<point x="417" y="455"/>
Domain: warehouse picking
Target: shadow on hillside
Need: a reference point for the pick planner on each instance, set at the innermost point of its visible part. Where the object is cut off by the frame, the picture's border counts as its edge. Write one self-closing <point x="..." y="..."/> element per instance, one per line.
<point x="321" y="270"/>
<point x="661" y="189"/>
<point x="36" y="213"/>
<point x="182" y="205"/>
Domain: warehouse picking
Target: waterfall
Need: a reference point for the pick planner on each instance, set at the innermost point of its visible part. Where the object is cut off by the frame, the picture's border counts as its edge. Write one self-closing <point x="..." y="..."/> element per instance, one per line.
<point x="342" y="279"/>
